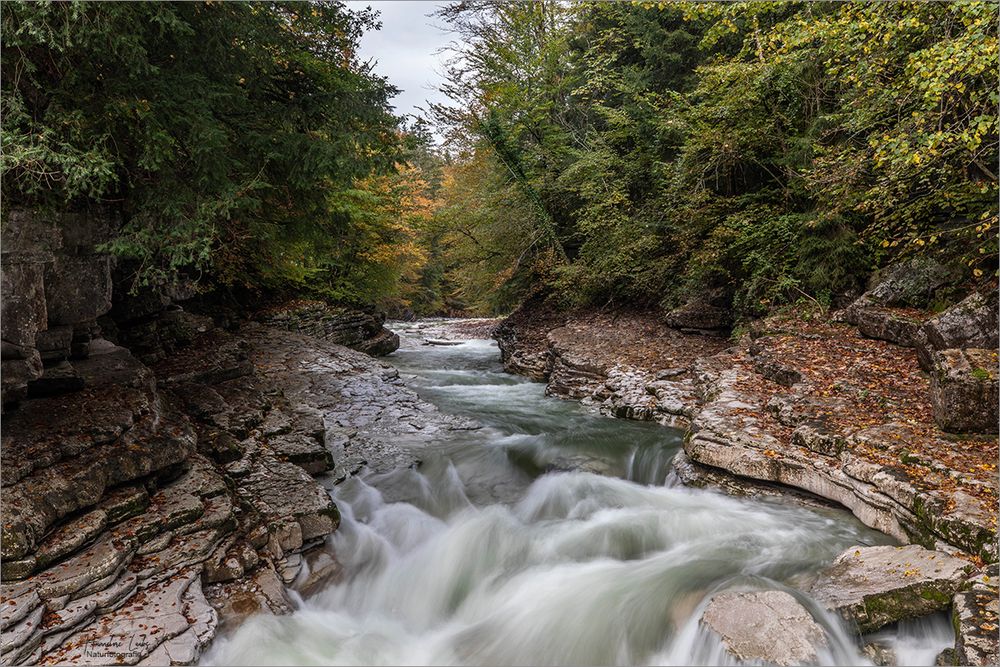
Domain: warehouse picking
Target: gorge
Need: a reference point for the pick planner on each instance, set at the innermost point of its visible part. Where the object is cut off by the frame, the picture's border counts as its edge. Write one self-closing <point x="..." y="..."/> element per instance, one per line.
<point x="663" y="333"/>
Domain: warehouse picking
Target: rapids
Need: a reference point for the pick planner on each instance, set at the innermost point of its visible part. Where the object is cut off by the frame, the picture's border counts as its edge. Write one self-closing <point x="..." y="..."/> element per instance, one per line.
<point x="505" y="547"/>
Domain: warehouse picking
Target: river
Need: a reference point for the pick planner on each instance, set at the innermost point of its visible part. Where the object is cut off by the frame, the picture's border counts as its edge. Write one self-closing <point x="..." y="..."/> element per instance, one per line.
<point x="506" y="547"/>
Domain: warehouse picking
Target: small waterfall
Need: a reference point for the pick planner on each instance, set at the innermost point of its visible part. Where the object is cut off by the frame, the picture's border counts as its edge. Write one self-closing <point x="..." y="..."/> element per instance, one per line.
<point x="651" y="464"/>
<point x="917" y="641"/>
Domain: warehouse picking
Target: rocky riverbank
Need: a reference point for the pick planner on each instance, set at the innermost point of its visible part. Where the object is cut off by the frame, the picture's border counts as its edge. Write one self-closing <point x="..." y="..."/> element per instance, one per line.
<point x="165" y="472"/>
<point x="818" y="404"/>
<point x="158" y="502"/>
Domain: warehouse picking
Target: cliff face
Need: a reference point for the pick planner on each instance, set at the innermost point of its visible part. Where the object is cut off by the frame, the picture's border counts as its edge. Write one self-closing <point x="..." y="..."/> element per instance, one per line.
<point x="55" y="286"/>
<point x="148" y="452"/>
<point x="60" y="293"/>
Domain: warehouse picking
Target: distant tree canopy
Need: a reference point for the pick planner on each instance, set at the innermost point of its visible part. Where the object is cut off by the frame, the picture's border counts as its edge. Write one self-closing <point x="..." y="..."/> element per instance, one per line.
<point x="234" y="136"/>
<point x="604" y="152"/>
<point x="637" y="152"/>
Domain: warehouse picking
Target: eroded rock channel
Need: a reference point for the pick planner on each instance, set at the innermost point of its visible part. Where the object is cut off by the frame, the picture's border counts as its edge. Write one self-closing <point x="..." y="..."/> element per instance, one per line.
<point x="538" y="519"/>
<point x="269" y="496"/>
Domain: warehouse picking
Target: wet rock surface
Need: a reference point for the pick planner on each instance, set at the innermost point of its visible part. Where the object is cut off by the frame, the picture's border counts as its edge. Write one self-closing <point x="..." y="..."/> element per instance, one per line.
<point x="145" y="509"/>
<point x="875" y="586"/>
<point x="770" y="626"/>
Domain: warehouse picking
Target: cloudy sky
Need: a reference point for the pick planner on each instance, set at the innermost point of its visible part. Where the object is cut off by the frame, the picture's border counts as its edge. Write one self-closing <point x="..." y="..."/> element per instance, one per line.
<point x="404" y="50"/>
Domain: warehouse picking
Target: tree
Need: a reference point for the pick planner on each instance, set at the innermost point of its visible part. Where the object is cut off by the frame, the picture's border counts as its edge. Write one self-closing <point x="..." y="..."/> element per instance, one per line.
<point x="227" y="133"/>
<point x="764" y="150"/>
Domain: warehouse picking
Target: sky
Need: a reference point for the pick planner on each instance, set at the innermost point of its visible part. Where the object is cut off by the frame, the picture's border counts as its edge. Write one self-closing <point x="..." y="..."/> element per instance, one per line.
<point x="404" y="50"/>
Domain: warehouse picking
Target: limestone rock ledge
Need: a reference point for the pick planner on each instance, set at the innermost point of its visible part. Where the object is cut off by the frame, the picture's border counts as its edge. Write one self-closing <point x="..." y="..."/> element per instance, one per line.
<point x="155" y="504"/>
<point x="874" y="586"/>
<point x="752" y="414"/>
<point x="734" y="431"/>
<point x="360" y="330"/>
<point x="589" y="360"/>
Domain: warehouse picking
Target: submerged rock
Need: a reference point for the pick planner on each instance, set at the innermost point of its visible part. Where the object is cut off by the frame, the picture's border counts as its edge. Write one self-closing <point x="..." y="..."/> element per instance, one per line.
<point x="765" y="625"/>
<point x="583" y="463"/>
<point x="875" y="586"/>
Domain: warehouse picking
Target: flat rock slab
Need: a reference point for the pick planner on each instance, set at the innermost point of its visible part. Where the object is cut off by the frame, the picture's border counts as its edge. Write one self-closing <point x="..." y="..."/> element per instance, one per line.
<point x="134" y="631"/>
<point x="18" y="641"/>
<point x="186" y="648"/>
<point x="19" y="600"/>
<point x="101" y="560"/>
<point x="71" y="536"/>
<point x="213" y="357"/>
<point x="124" y="502"/>
<point x="875" y="586"/>
<point x="765" y="625"/>
<point x="303" y="450"/>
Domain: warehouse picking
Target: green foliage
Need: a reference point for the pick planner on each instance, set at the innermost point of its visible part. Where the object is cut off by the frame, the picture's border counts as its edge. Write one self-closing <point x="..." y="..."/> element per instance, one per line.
<point x="775" y="151"/>
<point x="231" y="134"/>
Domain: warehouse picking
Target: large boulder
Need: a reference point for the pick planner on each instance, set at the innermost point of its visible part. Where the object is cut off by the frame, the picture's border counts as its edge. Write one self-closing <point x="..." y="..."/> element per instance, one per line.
<point x="875" y="586"/>
<point x="911" y="283"/>
<point x="769" y="626"/>
<point x="382" y="343"/>
<point x="881" y="313"/>
<point x="972" y="322"/>
<point x="881" y="323"/>
<point x="964" y="390"/>
<point x="708" y="312"/>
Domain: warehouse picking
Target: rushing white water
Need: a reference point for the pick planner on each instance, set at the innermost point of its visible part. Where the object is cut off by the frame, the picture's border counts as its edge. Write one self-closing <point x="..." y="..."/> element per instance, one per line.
<point x="481" y="557"/>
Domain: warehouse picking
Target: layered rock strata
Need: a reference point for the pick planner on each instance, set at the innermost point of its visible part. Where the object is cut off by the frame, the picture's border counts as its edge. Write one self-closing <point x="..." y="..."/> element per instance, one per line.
<point x="145" y="509"/>
<point x="361" y="330"/>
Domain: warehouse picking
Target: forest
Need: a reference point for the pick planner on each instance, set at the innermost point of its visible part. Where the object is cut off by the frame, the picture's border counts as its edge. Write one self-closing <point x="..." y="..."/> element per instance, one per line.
<point x="662" y="333"/>
<point x="639" y="154"/>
